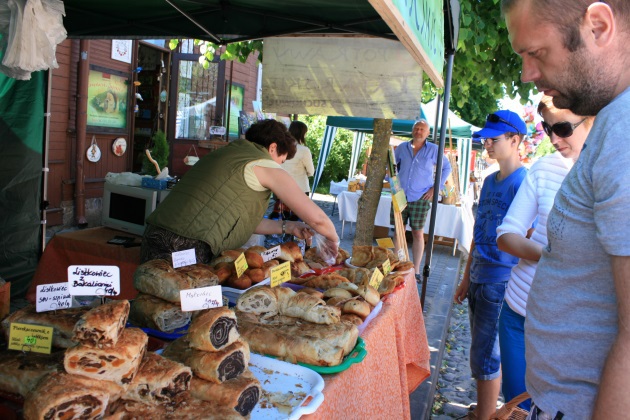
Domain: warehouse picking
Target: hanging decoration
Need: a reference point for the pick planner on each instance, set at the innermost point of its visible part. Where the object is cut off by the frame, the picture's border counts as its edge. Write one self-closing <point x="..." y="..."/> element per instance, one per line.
<point x="119" y="146"/>
<point x="190" y="160"/>
<point x="93" y="152"/>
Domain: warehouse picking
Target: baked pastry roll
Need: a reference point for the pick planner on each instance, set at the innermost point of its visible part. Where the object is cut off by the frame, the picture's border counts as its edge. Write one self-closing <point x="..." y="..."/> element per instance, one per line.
<point x="159" y="278"/>
<point x="325" y="281"/>
<point x="212" y="366"/>
<point x="158" y="380"/>
<point x="20" y="372"/>
<point x="151" y="312"/>
<point x="62" y="321"/>
<point x="101" y="326"/>
<point x="290" y="251"/>
<point x="321" y="345"/>
<point x="185" y="408"/>
<point x="241" y="393"/>
<point x="300" y="267"/>
<point x="64" y="396"/>
<point x="379" y="256"/>
<point x="263" y="300"/>
<point x="213" y="329"/>
<point x="361" y="255"/>
<point x="118" y="364"/>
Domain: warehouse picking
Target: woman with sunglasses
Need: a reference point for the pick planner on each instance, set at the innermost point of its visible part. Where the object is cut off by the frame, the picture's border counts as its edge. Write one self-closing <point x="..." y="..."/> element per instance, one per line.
<point x="534" y="199"/>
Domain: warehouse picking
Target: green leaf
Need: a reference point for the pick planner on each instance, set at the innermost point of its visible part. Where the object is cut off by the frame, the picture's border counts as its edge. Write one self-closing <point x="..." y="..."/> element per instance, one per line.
<point x="173" y="43"/>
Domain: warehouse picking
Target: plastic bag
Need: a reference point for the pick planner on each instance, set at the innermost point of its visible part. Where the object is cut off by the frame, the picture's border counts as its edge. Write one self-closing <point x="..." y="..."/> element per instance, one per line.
<point x="326" y="249"/>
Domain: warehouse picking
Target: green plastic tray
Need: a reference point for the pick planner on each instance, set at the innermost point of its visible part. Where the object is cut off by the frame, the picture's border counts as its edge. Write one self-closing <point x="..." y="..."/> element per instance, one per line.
<point x="356" y="356"/>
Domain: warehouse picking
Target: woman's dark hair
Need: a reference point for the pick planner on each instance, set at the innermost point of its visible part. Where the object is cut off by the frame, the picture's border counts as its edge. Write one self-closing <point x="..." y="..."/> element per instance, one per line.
<point x="298" y="130"/>
<point x="266" y="132"/>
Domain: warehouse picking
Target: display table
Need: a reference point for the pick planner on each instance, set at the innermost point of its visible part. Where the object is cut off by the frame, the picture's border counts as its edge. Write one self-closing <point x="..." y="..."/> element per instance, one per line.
<point x="451" y="221"/>
<point x="397" y="362"/>
<point x="86" y="247"/>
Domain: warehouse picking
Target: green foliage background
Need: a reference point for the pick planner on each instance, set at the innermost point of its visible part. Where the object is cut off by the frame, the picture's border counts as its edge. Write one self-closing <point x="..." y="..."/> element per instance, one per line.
<point x="338" y="162"/>
<point x="159" y="152"/>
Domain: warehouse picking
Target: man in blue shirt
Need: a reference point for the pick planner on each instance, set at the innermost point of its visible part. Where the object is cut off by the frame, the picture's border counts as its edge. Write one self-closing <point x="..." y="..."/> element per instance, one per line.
<point x="416" y="162"/>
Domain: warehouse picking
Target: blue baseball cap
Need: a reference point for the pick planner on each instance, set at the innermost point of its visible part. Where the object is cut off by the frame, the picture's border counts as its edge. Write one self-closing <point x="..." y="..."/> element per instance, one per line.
<point x="501" y="122"/>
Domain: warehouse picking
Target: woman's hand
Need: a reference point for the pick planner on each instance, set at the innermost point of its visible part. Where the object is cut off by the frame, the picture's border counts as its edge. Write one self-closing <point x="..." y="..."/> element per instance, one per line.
<point x="299" y="230"/>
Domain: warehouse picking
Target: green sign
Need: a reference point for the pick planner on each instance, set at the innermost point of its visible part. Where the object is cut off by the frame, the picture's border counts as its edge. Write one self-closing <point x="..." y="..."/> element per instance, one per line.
<point x="426" y="20"/>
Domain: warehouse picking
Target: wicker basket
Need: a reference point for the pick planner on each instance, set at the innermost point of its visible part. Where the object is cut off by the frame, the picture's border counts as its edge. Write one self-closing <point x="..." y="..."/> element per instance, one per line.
<point x="511" y="410"/>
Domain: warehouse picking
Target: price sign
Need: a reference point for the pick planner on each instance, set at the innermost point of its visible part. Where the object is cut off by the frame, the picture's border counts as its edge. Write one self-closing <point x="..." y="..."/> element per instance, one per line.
<point x="241" y="265"/>
<point x="94" y="280"/>
<point x="271" y="253"/>
<point x="376" y="279"/>
<point x="385" y="243"/>
<point x="35" y="338"/>
<point x="387" y="267"/>
<point x="201" y="298"/>
<point x="184" y="258"/>
<point x="400" y="201"/>
<point x="401" y="255"/>
<point x="280" y="274"/>
<point x="51" y="297"/>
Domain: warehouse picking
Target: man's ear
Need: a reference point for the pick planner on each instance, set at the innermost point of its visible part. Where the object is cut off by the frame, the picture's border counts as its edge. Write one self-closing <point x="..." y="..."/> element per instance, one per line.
<point x="599" y="22"/>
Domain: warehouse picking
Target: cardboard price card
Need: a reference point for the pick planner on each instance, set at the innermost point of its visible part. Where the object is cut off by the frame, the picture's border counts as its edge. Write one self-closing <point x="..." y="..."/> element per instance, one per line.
<point x="94" y="280"/>
<point x="26" y="337"/>
<point x="184" y="258"/>
<point x="201" y="298"/>
<point x="241" y="265"/>
<point x="400" y="201"/>
<point x="51" y="297"/>
<point x="271" y="253"/>
<point x="280" y="274"/>
<point x="387" y="267"/>
<point x="376" y="279"/>
<point x="385" y="243"/>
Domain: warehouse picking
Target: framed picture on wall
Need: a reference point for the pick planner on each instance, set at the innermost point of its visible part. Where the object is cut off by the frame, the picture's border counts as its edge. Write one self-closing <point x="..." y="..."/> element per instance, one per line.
<point x="107" y="99"/>
<point x="235" y="106"/>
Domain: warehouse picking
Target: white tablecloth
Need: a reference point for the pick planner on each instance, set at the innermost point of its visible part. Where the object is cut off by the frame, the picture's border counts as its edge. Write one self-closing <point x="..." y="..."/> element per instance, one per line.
<point x="451" y="221"/>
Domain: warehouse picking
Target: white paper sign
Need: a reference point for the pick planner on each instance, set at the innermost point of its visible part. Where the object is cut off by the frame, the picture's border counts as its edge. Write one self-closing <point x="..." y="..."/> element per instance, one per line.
<point x="51" y="297"/>
<point x="184" y="258"/>
<point x="217" y="130"/>
<point x="401" y="255"/>
<point x="201" y="298"/>
<point x="271" y="253"/>
<point x="94" y="280"/>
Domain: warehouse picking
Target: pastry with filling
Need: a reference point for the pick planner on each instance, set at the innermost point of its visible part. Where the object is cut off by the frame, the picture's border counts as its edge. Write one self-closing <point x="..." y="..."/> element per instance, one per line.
<point x="65" y="396"/>
<point x="217" y="366"/>
<point x="118" y="364"/>
<point x="296" y="341"/>
<point x="158" y="381"/>
<point x="159" y="278"/>
<point x="20" y="372"/>
<point x="379" y="256"/>
<point x="101" y="326"/>
<point x="152" y="312"/>
<point x="213" y="329"/>
<point x="241" y="393"/>
<point x="62" y="321"/>
<point x="290" y="251"/>
<point x="186" y="407"/>
<point x="325" y="281"/>
<point x="198" y="273"/>
<point x="361" y="255"/>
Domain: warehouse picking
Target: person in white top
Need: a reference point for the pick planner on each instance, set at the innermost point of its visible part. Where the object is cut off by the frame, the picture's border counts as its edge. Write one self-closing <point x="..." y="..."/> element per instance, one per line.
<point x="534" y="199"/>
<point x="301" y="166"/>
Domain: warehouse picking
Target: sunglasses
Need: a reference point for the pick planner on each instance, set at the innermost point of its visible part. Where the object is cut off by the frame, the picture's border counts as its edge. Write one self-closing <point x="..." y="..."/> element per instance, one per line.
<point x="494" y="118"/>
<point x="562" y="129"/>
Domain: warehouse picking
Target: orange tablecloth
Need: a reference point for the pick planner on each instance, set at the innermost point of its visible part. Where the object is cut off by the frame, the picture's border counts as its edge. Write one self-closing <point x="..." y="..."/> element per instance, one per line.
<point x="86" y="247"/>
<point x="397" y="362"/>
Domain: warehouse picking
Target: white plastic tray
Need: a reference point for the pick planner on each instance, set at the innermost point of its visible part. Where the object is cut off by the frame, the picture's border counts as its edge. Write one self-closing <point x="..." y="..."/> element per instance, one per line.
<point x="233" y="294"/>
<point x="276" y="376"/>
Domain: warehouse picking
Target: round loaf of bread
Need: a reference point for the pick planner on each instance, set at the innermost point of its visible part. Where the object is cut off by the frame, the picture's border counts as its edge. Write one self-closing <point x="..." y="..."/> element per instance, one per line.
<point x="337" y="292"/>
<point x="356" y="307"/>
<point x="351" y="319"/>
<point x="370" y="294"/>
<point x="335" y="301"/>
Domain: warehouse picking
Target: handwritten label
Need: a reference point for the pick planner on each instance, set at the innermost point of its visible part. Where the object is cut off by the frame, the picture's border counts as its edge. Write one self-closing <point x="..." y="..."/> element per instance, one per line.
<point x="201" y="298"/>
<point x="94" y="280"/>
<point x="271" y="253"/>
<point x="184" y="258"/>
<point x="241" y="265"/>
<point x="401" y="255"/>
<point x="35" y="338"/>
<point x="387" y="267"/>
<point x="51" y="297"/>
<point x="376" y="279"/>
<point x="280" y="274"/>
<point x="385" y="243"/>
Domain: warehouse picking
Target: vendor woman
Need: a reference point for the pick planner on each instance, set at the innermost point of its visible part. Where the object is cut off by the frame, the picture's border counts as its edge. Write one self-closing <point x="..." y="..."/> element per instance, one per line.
<point x="221" y="201"/>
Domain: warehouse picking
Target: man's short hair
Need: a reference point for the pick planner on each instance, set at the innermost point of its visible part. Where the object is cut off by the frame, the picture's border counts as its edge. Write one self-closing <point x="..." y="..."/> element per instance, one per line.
<point x="567" y="15"/>
<point x="421" y="120"/>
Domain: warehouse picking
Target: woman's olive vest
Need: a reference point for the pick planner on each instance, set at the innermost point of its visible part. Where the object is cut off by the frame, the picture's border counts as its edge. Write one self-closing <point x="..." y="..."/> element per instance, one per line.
<point x="212" y="202"/>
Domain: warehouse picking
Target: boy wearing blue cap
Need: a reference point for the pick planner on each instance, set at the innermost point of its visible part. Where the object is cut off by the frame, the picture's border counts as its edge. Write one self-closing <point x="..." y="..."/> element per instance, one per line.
<point x="488" y="269"/>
